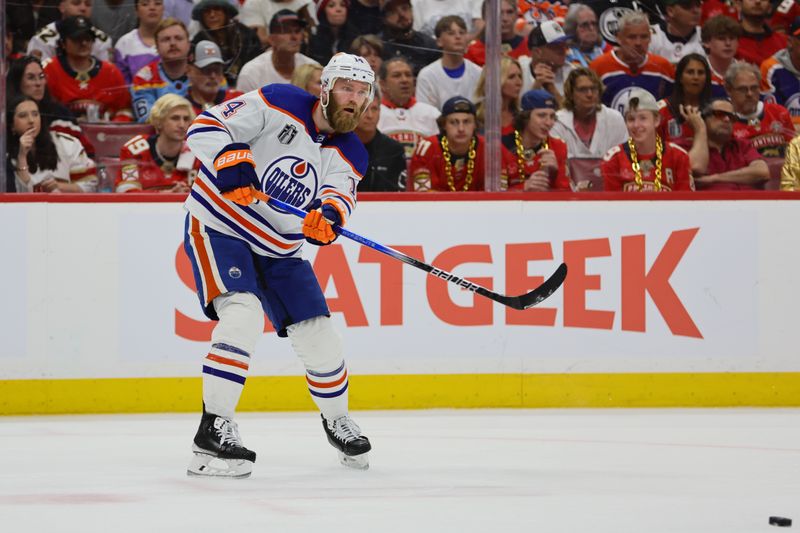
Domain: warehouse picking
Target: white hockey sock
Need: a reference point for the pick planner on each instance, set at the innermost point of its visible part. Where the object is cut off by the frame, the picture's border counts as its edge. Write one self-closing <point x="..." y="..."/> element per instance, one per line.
<point x="328" y="389"/>
<point x="224" y="374"/>
<point x="241" y="321"/>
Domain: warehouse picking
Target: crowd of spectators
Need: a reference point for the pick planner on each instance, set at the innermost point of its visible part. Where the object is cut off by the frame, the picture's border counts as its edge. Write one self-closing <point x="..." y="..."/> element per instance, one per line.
<point x="668" y="94"/>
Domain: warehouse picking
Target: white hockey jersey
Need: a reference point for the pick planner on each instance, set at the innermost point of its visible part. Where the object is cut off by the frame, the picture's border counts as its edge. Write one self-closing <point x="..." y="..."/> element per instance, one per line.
<point x="295" y="163"/>
<point x="674" y="48"/>
<point x="45" y="43"/>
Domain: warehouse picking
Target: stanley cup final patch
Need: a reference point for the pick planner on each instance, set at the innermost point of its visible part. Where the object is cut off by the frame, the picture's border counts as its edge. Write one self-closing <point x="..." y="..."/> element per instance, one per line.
<point x="287" y="134"/>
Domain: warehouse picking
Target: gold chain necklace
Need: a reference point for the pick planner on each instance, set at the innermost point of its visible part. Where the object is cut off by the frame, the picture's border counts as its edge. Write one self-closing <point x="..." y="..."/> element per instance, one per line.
<point x="448" y="168"/>
<point x="637" y="170"/>
<point x="521" y="152"/>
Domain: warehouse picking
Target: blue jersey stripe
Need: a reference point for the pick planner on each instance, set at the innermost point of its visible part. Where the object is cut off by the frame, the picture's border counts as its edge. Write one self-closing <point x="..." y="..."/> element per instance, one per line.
<point x="224" y="375"/>
<point x="326" y="374"/>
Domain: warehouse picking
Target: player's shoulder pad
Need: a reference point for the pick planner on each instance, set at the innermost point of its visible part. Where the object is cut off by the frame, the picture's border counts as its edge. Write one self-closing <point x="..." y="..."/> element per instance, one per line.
<point x="351" y="149"/>
<point x="289" y="99"/>
<point x="614" y="150"/>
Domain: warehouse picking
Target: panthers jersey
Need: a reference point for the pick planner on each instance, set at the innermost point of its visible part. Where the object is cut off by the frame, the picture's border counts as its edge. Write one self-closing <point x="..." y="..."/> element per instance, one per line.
<point x="618" y="174"/>
<point x="770" y="130"/>
<point x="294" y="162"/>
<point x="143" y="168"/>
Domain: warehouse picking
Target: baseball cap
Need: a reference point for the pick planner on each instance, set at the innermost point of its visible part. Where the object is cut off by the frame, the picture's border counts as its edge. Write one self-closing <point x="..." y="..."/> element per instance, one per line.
<point x="207" y="53"/>
<point x="548" y="32"/>
<point x="537" y="99"/>
<point x="794" y="28"/>
<point x="458" y="104"/>
<point x="283" y="17"/>
<point x="73" y="27"/>
<point x="640" y="100"/>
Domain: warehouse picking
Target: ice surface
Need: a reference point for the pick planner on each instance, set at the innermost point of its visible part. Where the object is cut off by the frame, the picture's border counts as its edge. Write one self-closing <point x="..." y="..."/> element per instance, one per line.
<point x="544" y="471"/>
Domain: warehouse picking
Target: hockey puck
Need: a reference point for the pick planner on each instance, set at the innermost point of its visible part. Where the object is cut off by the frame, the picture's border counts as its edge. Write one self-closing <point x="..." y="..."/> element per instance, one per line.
<point x="780" y="521"/>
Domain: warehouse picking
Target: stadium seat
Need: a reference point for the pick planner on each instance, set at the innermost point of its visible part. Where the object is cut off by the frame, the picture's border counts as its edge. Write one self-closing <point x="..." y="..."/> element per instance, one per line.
<point x="108" y="138"/>
<point x="775" y="165"/>
<point x="585" y="174"/>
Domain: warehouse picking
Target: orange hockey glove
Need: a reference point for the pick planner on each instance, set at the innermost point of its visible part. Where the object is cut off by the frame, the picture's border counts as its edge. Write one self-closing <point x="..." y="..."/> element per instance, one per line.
<point x="318" y="228"/>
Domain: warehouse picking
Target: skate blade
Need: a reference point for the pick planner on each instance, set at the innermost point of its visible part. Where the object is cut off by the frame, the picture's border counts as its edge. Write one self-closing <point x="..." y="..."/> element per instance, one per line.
<point x="357" y="462"/>
<point x="204" y="465"/>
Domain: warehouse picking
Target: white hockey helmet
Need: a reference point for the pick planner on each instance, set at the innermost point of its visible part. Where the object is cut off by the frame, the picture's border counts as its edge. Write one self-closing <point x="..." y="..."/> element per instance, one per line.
<point x="349" y="67"/>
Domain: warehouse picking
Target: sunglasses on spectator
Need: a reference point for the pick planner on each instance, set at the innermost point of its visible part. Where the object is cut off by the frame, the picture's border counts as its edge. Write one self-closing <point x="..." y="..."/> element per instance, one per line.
<point x="721" y="114"/>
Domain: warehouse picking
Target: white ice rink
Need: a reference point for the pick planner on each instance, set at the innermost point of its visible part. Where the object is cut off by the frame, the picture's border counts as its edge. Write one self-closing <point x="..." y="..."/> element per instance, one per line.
<point x="488" y="471"/>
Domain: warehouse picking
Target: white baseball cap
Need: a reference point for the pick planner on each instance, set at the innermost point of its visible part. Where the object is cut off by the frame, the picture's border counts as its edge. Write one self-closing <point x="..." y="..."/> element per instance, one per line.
<point x="640" y="100"/>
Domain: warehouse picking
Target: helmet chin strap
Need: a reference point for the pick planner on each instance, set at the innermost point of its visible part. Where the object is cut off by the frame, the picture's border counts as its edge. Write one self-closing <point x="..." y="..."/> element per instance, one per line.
<point x="325" y="99"/>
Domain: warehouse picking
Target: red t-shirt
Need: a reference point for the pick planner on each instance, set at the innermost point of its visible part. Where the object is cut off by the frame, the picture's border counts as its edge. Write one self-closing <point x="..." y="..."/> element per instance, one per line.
<point x="756" y="47"/>
<point x="618" y="175"/>
<point x="712" y="8"/>
<point x="737" y="154"/>
<point x="516" y="47"/>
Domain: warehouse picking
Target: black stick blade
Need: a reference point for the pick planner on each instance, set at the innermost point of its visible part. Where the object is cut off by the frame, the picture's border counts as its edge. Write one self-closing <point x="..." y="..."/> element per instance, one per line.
<point x="540" y="293"/>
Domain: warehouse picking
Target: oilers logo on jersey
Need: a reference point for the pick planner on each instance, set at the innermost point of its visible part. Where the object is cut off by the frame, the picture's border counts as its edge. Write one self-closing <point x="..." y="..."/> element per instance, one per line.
<point x="284" y="180"/>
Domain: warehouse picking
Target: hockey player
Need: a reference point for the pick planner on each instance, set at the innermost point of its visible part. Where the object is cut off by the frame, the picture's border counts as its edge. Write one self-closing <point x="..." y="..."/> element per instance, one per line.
<point x="246" y="255"/>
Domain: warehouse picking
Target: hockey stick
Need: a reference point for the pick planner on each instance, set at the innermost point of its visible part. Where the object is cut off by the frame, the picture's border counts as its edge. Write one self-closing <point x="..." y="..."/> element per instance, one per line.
<point x="521" y="302"/>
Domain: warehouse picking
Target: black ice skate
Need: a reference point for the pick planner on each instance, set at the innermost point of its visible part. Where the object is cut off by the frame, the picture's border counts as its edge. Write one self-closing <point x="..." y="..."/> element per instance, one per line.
<point x="218" y="450"/>
<point x="346" y="437"/>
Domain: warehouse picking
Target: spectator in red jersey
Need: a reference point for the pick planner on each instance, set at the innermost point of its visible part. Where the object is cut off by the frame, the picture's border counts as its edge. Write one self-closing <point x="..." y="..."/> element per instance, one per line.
<point x="720" y="37"/>
<point x="510" y="91"/>
<point x="513" y="44"/>
<point x="645" y="162"/>
<point x="453" y="160"/>
<point x="93" y="89"/>
<point x="40" y="160"/>
<point x="161" y="162"/>
<point x="308" y="77"/>
<point x="206" y="76"/>
<point x="680" y="112"/>
<point x="541" y="158"/>
<point x="733" y="164"/>
<point x="758" y="40"/>
<point x="767" y="126"/>
<point x="783" y="14"/>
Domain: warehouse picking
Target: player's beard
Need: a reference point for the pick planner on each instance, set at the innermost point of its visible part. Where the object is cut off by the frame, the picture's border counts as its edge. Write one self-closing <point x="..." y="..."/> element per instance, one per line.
<point x="341" y="121"/>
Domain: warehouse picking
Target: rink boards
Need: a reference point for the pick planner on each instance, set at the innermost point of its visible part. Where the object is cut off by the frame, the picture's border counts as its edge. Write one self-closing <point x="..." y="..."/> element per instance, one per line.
<point x="668" y="303"/>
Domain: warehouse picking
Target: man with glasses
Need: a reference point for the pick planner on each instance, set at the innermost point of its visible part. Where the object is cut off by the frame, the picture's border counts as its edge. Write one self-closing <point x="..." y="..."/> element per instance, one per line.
<point x="584" y="33"/>
<point x="767" y="126"/>
<point x="679" y="34"/>
<point x="206" y="77"/>
<point x="733" y="163"/>
<point x="781" y="75"/>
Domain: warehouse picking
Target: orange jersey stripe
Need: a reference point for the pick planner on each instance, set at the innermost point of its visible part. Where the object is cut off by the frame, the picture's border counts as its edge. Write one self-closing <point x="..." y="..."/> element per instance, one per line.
<point x="212" y="290"/>
<point x="226" y="361"/>
<point x="327" y="385"/>
<point x="282" y="110"/>
<point x="222" y="204"/>
<point x="208" y="122"/>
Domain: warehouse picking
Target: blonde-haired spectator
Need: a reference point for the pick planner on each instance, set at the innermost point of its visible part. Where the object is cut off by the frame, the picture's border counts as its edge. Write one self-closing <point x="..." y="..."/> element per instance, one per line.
<point x="510" y="90"/>
<point x="307" y="77"/>
<point x="370" y="47"/>
<point x="161" y="162"/>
